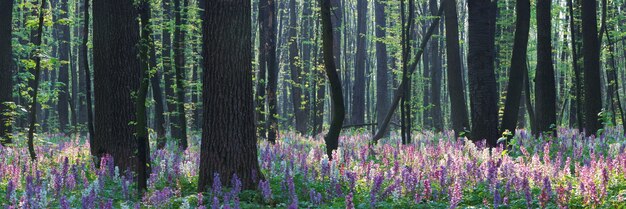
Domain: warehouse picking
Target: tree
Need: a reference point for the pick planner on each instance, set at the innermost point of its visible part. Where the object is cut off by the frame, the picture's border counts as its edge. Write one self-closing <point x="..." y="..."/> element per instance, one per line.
<point x="435" y="76"/>
<point x="6" y="70"/>
<point x="382" y="78"/>
<point x="337" y="106"/>
<point x="37" y="54"/>
<point x="141" y="125"/>
<point x="228" y="148"/>
<point x="267" y="21"/>
<point x="456" y="90"/>
<point x="179" y="131"/>
<point x="518" y="67"/>
<point x="591" y="57"/>
<point x="545" y="89"/>
<point x="63" y="34"/>
<point x="87" y="74"/>
<point x="295" y="67"/>
<point x="358" y="92"/>
<point x="480" y="61"/>
<point x="166" y="57"/>
<point x="117" y="75"/>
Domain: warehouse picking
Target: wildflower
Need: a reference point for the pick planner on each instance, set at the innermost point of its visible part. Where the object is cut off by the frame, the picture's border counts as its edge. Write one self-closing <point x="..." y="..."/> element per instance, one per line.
<point x="349" y="202"/>
<point x="217" y="185"/>
<point x="378" y="181"/>
<point x="456" y="195"/>
<point x="216" y="203"/>
<point x="266" y="190"/>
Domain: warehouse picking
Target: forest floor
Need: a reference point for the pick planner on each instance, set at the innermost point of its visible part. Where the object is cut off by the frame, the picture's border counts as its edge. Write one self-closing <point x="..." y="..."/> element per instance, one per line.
<point x="436" y="171"/>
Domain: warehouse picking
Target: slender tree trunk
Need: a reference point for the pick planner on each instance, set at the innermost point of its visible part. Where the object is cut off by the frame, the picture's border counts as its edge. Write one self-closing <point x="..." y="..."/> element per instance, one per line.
<point x="268" y="19"/>
<point x="87" y="74"/>
<point x="358" y="92"/>
<point x="458" y="106"/>
<point x="332" y="138"/>
<point x="591" y="53"/>
<point x="482" y="81"/>
<point x="34" y="94"/>
<point x="63" y="35"/>
<point x="141" y="126"/>
<point x="575" y="61"/>
<point x="228" y="148"/>
<point x="382" y="74"/>
<point x="545" y="87"/>
<point x="518" y="65"/>
<point x="6" y="71"/>
<point x="296" y="71"/>
<point x="436" y="71"/>
<point x="180" y="134"/>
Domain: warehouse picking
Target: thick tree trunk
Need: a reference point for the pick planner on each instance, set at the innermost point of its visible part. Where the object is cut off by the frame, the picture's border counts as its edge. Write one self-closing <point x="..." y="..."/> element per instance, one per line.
<point x="358" y="92"/>
<point x="382" y="74"/>
<point x="458" y="106"/>
<point x="545" y="87"/>
<point x="116" y="76"/>
<point x="518" y="65"/>
<point x="6" y="70"/>
<point x="482" y="81"/>
<point x="591" y="53"/>
<point x="332" y="138"/>
<point x="228" y="148"/>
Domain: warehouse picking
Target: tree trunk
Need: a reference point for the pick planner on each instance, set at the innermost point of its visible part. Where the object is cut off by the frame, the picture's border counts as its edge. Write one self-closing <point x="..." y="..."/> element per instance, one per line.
<point x="6" y="71"/>
<point x="458" y="106"/>
<point x="545" y="87"/>
<point x="37" y="54"/>
<point x="267" y="21"/>
<point x="358" y="92"/>
<point x="332" y="138"/>
<point x="180" y="132"/>
<point x="382" y="74"/>
<point x="591" y="54"/>
<point x="141" y="126"/>
<point x="518" y="65"/>
<point x="435" y="83"/>
<point x="63" y="35"/>
<point x="84" y="54"/>
<point x="116" y="76"/>
<point x="482" y="81"/>
<point x="296" y="71"/>
<point x="578" y="108"/>
<point x="228" y="148"/>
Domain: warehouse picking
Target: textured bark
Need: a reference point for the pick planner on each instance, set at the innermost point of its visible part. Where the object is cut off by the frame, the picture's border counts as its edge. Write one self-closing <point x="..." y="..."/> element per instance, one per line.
<point x="228" y="134"/>
<point x="358" y="92"/>
<point x="382" y="74"/>
<point x="179" y="131"/>
<point x="436" y="71"/>
<point x="116" y="76"/>
<point x="6" y="70"/>
<point x="591" y="54"/>
<point x="456" y="89"/>
<point x="338" y="111"/>
<point x="141" y="126"/>
<point x="157" y="94"/>
<point x="482" y="81"/>
<point x="518" y="65"/>
<point x="63" y="36"/>
<point x="545" y="87"/>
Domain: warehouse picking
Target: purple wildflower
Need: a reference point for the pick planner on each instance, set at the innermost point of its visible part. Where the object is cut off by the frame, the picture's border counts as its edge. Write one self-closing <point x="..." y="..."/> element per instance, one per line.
<point x="349" y="202"/>
<point x="378" y="181"/>
<point x="266" y="190"/>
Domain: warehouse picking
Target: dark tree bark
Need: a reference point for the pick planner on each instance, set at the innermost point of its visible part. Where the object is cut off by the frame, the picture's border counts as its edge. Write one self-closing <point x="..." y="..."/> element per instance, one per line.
<point x="482" y="81"/>
<point x="37" y="54"/>
<point x="578" y="108"/>
<point x="591" y="54"/>
<point x="228" y="147"/>
<point x="338" y="112"/>
<point x="358" y="92"/>
<point x="545" y="87"/>
<point x="382" y="74"/>
<point x="518" y="65"/>
<point x="141" y="126"/>
<point x="436" y="71"/>
<point x="405" y="110"/>
<point x="267" y="21"/>
<point x="296" y="72"/>
<point x="6" y="70"/>
<point x="84" y="56"/>
<point x="180" y="132"/>
<point x="63" y="36"/>
<point x="168" y="71"/>
<point x="612" y="77"/>
<point x="456" y="89"/>
<point x="116" y="76"/>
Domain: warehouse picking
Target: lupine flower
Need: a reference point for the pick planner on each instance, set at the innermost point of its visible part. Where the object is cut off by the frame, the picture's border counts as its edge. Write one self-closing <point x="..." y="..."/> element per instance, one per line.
<point x="349" y="203"/>
<point x="378" y="181"/>
<point x="64" y="203"/>
<point x="217" y="185"/>
<point x="266" y="190"/>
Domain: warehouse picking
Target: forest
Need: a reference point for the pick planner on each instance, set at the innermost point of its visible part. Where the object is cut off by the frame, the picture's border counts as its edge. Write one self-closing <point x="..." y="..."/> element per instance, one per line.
<point x="312" y="104"/>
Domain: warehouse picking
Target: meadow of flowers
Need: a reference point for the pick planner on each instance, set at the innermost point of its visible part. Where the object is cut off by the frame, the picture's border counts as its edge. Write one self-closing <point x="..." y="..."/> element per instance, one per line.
<point x="436" y="171"/>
